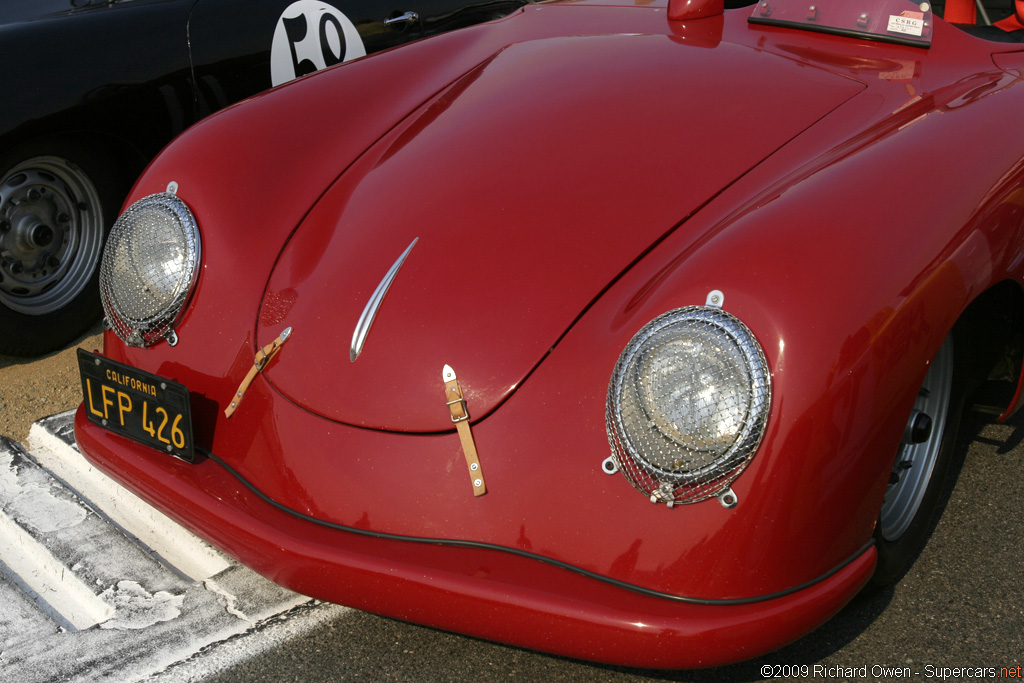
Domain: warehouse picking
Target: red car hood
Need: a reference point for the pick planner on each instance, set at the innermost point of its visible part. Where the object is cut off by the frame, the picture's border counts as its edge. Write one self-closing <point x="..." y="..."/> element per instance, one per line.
<point x="531" y="183"/>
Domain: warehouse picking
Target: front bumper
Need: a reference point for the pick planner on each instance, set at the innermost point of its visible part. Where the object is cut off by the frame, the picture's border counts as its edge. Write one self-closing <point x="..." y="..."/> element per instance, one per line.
<point x="480" y="592"/>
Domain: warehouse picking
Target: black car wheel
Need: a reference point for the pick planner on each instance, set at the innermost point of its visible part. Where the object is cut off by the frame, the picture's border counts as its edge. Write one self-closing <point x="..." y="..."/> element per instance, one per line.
<point x="56" y="206"/>
<point x="921" y="468"/>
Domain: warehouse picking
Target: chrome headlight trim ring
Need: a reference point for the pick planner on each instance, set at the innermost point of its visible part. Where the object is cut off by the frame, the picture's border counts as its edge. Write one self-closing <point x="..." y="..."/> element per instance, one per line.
<point x="688" y="404"/>
<point x="149" y="269"/>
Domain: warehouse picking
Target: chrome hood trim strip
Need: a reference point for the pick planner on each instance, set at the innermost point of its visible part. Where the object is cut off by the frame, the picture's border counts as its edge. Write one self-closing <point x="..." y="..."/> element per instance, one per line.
<point x="370" y="312"/>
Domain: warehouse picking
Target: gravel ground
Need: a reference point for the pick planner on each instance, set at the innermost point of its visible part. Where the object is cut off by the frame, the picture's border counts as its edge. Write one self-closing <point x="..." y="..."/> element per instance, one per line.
<point x="31" y="388"/>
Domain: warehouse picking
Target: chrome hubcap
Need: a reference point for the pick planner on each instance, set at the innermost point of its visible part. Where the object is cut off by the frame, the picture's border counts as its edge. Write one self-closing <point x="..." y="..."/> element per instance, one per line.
<point x="920" y="449"/>
<point x="51" y="234"/>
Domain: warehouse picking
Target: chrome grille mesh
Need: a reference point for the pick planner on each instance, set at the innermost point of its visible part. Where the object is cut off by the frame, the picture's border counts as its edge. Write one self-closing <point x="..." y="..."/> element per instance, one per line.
<point x="688" y="404"/>
<point x="149" y="265"/>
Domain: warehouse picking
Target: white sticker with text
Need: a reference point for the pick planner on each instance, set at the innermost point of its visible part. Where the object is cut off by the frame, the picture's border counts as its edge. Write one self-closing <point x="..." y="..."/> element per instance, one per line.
<point x="907" y="23"/>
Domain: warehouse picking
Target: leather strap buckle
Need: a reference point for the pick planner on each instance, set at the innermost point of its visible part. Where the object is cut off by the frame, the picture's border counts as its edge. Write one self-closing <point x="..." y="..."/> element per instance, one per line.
<point x="461" y="403"/>
<point x="263" y="357"/>
<point x="460" y="416"/>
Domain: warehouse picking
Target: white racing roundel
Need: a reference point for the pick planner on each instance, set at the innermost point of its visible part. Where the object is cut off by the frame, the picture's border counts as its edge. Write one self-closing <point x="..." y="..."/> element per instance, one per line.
<point x="311" y="35"/>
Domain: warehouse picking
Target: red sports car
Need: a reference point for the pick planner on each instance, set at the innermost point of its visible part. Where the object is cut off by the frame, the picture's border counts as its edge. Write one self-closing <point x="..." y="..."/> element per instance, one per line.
<point x="638" y="332"/>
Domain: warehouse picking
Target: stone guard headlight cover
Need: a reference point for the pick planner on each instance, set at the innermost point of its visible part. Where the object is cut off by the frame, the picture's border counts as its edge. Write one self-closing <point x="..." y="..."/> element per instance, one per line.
<point x="149" y="268"/>
<point x="688" y="404"/>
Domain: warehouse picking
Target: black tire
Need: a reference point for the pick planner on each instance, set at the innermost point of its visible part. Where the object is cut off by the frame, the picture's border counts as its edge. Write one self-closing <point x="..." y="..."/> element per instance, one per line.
<point x="920" y="470"/>
<point x="58" y="200"/>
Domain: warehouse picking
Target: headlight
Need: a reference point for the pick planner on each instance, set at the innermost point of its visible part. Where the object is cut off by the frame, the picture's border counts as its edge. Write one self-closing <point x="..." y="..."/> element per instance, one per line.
<point x="688" y="404"/>
<point x="149" y="266"/>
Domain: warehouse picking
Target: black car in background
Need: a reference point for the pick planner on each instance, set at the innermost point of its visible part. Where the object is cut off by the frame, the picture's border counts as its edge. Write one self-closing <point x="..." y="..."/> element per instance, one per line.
<point x="95" y="88"/>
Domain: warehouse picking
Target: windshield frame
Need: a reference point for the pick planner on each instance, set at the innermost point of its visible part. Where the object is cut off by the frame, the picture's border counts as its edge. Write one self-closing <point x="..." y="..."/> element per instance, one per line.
<point x="891" y="21"/>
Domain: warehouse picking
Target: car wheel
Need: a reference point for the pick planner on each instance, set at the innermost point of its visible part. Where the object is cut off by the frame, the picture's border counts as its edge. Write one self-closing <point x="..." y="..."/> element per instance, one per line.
<point x="921" y="468"/>
<point x="56" y="206"/>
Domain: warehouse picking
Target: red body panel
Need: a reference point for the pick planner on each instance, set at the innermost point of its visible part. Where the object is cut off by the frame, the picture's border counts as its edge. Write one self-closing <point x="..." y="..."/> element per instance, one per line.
<point x="486" y="269"/>
<point x="782" y="215"/>
<point x="490" y="594"/>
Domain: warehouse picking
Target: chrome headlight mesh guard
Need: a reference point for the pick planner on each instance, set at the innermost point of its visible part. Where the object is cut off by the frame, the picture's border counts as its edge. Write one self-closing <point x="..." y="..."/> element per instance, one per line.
<point x="688" y="405"/>
<point x="150" y="265"/>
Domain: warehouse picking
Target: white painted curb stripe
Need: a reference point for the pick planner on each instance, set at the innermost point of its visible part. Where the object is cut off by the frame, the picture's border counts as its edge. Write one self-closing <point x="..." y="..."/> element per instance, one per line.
<point x="48" y="578"/>
<point x="173" y="544"/>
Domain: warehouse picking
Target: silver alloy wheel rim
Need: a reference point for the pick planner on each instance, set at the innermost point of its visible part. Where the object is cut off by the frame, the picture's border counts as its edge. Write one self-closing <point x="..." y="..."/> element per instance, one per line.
<point x="51" y="234"/>
<point x="903" y="498"/>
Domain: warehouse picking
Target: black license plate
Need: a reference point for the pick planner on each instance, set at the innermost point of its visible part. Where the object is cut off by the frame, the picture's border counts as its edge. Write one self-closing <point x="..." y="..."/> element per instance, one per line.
<point x="139" y="405"/>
